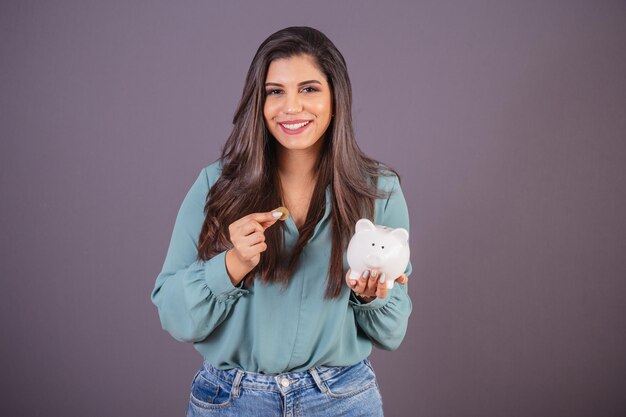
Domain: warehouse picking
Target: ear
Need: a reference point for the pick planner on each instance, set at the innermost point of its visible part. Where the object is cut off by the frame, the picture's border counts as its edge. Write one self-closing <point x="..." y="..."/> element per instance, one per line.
<point x="401" y="234"/>
<point x="363" y="225"/>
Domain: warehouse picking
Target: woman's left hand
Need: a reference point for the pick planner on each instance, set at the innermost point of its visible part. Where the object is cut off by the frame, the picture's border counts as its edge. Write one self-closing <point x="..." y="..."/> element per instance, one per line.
<point x="372" y="284"/>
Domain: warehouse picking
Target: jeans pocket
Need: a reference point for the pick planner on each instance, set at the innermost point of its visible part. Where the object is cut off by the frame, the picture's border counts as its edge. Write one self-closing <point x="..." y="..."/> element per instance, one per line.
<point x="207" y="391"/>
<point x="354" y="380"/>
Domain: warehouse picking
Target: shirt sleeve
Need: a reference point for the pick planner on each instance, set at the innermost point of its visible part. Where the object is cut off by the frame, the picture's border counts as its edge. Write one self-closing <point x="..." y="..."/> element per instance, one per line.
<point x="385" y="320"/>
<point x="193" y="297"/>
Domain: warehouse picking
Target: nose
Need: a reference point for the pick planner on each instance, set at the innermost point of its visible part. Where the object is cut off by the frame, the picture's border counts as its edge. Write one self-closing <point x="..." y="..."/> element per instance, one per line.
<point x="293" y="105"/>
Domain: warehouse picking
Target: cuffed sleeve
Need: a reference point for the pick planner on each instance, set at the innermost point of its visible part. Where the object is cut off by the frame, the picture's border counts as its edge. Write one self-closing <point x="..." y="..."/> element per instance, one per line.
<point x="193" y="297"/>
<point x="385" y="320"/>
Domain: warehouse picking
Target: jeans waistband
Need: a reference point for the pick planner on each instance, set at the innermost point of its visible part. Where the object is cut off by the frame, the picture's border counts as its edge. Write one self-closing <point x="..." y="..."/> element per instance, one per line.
<point x="284" y="382"/>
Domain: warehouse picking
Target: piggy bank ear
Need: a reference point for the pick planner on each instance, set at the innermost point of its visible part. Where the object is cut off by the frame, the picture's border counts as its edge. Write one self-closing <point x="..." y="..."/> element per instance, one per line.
<point x="363" y="225"/>
<point x="401" y="234"/>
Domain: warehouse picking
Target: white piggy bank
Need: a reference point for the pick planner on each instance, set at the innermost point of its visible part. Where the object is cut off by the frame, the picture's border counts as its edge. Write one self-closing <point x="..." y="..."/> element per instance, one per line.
<point x="380" y="248"/>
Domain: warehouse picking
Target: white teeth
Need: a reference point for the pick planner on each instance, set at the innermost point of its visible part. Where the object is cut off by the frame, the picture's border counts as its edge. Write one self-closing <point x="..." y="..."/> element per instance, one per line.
<point x="294" y="126"/>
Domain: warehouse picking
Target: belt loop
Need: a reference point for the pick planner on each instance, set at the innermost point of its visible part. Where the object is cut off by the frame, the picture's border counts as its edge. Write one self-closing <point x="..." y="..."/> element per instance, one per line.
<point x="318" y="381"/>
<point x="236" y="382"/>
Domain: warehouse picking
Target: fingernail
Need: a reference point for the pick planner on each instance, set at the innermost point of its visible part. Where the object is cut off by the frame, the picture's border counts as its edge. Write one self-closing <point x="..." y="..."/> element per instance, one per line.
<point x="382" y="278"/>
<point x="353" y="282"/>
<point x="366" y="274"/>
<point x="280" y="213"/>
<point x="373" y="274"/>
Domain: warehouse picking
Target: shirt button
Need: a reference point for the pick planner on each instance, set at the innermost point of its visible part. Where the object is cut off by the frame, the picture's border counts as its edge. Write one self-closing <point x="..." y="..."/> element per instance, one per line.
<point x="284" y="382"/>
<point x="230" y="296"/>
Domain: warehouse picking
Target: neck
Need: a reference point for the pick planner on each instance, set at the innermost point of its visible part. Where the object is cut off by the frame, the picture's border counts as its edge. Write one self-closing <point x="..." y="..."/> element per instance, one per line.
<point x="297" y="165"/>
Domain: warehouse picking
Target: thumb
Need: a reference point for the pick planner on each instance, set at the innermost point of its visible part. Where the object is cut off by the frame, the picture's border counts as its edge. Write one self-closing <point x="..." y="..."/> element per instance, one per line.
<point x="402" y="279"/>
<point x="268" y="219"/>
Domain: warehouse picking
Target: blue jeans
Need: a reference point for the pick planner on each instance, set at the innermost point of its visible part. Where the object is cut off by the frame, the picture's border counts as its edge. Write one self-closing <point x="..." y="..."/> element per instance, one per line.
<point x="320" y="392"/>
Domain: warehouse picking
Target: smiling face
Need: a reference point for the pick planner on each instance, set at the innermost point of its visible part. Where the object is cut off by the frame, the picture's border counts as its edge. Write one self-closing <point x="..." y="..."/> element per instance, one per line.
<point x="298" y="102"/>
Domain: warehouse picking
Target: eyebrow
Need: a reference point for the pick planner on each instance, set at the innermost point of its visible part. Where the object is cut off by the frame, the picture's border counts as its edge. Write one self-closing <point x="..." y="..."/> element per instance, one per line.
<point x="299" y="84"/>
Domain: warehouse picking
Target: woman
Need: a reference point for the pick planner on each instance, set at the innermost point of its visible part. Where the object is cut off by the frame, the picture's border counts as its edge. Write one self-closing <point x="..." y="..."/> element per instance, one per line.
<point x="265" y="302"/>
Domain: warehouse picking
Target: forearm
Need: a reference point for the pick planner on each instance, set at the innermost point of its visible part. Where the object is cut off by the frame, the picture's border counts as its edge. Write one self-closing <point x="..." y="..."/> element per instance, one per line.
<point x="193" y="301"/>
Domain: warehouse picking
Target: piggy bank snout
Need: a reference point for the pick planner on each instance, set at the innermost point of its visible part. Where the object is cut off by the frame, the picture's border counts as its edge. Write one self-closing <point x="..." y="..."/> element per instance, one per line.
<point x="373" y="260"/>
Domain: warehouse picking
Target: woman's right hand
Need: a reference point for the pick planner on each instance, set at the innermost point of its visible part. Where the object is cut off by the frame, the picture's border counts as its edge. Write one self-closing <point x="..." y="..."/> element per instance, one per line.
<point x="247" y="236"/>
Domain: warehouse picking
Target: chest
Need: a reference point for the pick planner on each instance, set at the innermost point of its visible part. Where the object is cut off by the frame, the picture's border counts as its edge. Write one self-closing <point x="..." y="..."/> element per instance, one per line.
<point x="297" y="200"/>
<point x="298" y="208"/>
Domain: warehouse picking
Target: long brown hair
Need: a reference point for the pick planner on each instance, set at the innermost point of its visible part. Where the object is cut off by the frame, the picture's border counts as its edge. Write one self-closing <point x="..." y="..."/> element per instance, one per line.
<point x="249" y="179"/>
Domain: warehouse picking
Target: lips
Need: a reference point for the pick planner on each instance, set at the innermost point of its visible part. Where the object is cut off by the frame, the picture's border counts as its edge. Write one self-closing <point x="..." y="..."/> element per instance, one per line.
<point x="293" y="127"/>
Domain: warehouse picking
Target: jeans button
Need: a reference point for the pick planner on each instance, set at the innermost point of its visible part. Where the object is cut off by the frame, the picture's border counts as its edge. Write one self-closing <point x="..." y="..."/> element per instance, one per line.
<point x="284" y="382"/>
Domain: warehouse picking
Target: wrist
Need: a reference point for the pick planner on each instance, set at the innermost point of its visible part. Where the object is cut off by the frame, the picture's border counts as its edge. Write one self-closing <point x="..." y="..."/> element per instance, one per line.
<point x="364" y="298"/>
<point x="235" y="269"/>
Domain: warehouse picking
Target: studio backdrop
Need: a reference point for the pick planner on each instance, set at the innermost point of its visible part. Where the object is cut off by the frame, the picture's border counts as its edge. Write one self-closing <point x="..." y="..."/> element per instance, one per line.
<point x="506" y="121"/>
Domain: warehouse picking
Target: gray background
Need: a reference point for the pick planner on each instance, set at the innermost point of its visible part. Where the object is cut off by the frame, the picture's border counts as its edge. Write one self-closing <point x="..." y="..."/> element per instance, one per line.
<point x="506" y="120"/>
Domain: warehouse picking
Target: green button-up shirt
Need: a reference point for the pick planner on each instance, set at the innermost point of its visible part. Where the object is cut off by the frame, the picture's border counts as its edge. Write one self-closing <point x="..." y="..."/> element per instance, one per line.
<point x="268" y="328"/>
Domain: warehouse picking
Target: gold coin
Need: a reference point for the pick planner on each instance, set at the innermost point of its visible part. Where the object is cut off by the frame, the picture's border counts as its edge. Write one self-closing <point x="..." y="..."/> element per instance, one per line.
<point x="284" y="213"/>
